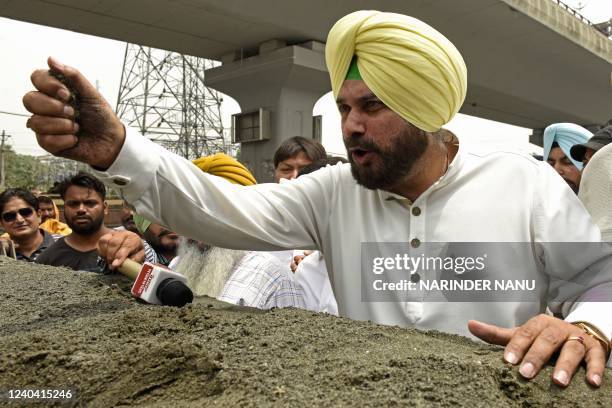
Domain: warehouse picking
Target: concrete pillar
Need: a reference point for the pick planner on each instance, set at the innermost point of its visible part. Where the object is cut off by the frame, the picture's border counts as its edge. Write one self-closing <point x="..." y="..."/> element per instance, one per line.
<point x="537" y="137"/>
<point x="285" y="80"/>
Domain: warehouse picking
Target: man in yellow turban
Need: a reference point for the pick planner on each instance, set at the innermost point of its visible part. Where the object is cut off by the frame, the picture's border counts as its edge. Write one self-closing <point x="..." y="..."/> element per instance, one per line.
<point x="222" y="165"/>
<point x="409" y="183"/>
<point x="408" y="80"/>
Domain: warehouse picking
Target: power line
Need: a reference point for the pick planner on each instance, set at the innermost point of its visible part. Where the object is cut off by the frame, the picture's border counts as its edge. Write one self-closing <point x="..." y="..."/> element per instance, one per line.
<point x="163" y="94"/>
<point x="15" y="114"/>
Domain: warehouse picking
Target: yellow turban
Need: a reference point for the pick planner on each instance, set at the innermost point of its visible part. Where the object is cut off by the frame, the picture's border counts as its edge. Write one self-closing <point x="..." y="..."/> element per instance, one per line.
<point x="222" y="165"/>
<point x="408" y="65"/>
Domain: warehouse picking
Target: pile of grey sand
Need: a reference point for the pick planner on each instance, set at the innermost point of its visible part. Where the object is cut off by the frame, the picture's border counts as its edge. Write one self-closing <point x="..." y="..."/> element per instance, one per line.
<point x="60" y="328"/>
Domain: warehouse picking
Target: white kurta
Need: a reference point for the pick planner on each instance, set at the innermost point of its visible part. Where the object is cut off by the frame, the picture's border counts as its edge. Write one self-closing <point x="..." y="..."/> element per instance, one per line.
<point x="311" y="275"/>
<point x="495" y="197"/>
<point x="596" y="190"/>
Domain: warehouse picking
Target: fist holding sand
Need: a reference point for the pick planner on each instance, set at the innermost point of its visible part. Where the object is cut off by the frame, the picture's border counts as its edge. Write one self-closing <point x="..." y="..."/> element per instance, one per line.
<point x="70" y="117"/>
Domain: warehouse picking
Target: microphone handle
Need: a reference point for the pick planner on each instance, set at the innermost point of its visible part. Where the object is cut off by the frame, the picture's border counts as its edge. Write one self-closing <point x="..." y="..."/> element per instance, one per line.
<point x="130" y="268"/>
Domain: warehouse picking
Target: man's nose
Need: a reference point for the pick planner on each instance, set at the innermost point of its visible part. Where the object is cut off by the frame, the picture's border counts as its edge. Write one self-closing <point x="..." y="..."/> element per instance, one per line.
<point x="353" y="123"/>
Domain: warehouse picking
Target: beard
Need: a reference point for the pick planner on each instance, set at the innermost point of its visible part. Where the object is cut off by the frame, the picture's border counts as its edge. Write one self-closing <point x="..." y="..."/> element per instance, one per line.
<point x="91" y="227"/>
<point x="160" y="243"/>
<point x="208" y="270"/>
<point x="394" y="164"/>
<point x="168" y="246"/>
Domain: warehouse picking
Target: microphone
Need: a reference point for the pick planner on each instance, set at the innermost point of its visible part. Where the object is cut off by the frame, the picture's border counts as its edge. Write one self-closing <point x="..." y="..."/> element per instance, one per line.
<point x="157" y="284"/>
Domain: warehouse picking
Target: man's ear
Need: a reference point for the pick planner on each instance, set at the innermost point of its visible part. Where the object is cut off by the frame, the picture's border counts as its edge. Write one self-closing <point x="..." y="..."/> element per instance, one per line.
<point x="105" y="204"/>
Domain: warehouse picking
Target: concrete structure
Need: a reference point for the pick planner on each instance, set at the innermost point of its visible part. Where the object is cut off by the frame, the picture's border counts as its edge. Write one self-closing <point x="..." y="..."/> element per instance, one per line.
<point x="287" y="81"/>
<point x="530" y="62"/>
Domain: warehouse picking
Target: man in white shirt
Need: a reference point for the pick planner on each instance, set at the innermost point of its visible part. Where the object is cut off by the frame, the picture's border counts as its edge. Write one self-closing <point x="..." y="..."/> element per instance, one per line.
<point x="255" y="279"/>
<point x="596" y="188"/>
<point x="309" y="266"/>
<point x="245" y="278"/>
<point x="397" y="81"/>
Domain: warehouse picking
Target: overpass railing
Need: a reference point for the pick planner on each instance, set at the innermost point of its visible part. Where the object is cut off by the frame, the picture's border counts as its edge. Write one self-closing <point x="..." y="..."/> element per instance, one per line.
<point x="603" y="28"/>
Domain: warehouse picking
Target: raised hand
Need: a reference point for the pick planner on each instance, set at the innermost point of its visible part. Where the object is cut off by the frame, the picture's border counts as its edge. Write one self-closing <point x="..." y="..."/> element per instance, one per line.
<point x="89" y="131"/>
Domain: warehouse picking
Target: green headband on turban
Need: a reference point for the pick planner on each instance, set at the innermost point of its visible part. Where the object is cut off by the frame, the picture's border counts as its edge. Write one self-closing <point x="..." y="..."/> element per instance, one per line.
<point x="408" y="65"/>
<point x="353" y="71"/>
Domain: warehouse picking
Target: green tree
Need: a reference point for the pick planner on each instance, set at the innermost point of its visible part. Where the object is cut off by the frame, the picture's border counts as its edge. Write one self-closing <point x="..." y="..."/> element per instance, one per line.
<point x="24" y="171"/>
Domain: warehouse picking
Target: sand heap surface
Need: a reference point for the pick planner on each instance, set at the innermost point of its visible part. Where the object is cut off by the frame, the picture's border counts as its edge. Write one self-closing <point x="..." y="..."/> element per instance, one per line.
<point x="60" y="328"/>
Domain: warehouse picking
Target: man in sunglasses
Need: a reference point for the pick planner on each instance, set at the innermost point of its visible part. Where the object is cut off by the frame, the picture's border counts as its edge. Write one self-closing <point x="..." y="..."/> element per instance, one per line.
<point x="20" y="219"/>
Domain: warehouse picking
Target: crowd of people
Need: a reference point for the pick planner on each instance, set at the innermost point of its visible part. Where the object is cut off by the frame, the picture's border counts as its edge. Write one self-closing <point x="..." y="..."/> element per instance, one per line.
<point x="397" y="82"/>
<point x="258" y="279"/>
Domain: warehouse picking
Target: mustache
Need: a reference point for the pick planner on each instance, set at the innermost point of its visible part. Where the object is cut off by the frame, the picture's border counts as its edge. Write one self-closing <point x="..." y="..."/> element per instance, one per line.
<point x="360" y="142"/>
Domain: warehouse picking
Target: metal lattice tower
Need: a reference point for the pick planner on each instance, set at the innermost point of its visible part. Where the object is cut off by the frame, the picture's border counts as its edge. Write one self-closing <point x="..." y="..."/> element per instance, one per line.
<point x="162" y="93"/>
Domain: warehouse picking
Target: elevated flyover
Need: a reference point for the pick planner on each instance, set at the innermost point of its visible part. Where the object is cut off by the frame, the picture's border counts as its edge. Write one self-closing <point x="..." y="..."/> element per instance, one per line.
<point x="530" y="62"/>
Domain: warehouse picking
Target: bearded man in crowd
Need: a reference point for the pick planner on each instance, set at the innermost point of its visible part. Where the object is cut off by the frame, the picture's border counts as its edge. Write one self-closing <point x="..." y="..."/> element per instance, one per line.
<point x="255" y="279"/>
<point x="84" y="209"/>
<point x="245" y="278"/>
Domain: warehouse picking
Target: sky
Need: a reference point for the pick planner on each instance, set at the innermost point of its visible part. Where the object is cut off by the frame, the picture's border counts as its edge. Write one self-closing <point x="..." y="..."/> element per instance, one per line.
<point x="100" y="60"/>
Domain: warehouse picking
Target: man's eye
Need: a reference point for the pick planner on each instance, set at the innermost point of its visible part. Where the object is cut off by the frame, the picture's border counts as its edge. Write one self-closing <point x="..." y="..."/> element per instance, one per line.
<point x="343" y="109"/>
<point x="372" y="105"/>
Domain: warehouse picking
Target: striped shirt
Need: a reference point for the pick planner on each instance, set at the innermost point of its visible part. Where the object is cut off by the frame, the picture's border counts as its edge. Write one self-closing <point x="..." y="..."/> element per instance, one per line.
<point x="260" y="280"/>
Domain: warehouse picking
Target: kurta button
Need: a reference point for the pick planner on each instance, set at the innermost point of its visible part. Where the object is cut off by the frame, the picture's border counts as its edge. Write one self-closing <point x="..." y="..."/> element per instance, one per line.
<point x="416" y="211"/>
<point x="415" y="243"/>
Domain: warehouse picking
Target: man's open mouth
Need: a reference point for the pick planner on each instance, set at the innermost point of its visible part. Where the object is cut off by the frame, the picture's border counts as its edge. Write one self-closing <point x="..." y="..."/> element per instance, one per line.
<point x="361" y="155"/>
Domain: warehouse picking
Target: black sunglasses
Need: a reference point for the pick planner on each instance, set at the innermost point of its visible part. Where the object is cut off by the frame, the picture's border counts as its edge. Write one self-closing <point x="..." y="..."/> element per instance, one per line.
<point x="11" y="216"/>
